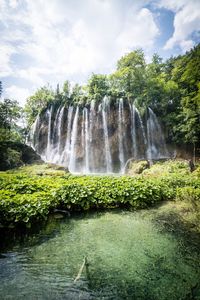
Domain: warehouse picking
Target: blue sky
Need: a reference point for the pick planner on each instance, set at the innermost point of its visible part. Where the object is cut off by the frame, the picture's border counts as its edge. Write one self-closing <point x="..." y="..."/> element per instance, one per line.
<point x="49" y="41"/>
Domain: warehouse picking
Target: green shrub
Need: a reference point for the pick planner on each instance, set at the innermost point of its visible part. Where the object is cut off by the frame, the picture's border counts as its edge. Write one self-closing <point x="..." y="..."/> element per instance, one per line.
<point x="27" y="198"/>
<point x="191" y="195"/>
<point x="104" y="192"/>
<point x="24" y="208"/>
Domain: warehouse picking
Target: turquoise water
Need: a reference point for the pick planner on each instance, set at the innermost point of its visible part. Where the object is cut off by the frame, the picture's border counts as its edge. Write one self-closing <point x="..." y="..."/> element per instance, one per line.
<point x="130" y="256"/>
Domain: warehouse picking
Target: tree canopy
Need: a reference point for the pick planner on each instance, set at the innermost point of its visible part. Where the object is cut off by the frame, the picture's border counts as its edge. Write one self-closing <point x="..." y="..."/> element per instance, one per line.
<point x="10" y="113"/>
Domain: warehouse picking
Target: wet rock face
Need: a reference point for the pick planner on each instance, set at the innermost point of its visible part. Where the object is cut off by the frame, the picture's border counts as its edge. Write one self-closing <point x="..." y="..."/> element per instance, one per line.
<point x="97" y="138"/>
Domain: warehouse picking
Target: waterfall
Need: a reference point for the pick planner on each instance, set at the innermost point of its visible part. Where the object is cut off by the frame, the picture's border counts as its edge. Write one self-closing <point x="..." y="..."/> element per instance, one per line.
<point x="35" y="133"/>
<point x="86" y="141"/>
<point x="155" y="139"/>
<point x="106" y="139"/>
<point x="55" y="127"/>
<point x="56" y="150"/>
<point x="142" y="127"/>
<point x="66" y="151"/>
<point x="97" y="138"/>
<point x="121" y="134"/>
<point x="60" y="123"/>
<point x="72" y="160"/>
<point x="91" y="126"/>
<point x="48" y="149"/>
<point x="134" y="112"/>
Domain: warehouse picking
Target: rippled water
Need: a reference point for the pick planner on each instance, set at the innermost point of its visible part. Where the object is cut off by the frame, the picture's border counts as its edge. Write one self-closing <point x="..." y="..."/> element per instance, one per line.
<point x="130" y="256"/>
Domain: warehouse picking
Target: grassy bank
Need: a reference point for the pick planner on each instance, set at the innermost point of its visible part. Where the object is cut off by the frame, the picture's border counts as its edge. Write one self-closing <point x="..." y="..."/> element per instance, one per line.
<point x="29" y="194"/>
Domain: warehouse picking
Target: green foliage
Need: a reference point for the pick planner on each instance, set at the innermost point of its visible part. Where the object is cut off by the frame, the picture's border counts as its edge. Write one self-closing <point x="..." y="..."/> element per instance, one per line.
<point x="137" y="167"/>
<point x="190" y="195"/>
<point x="36" y="103"/>
<point x="66" y="89"/>
<point x="170" y="88"/>
<point x="10" y="113"/>
<point x="26" y="197"/>
<point x="97" y="87"/>
<point x="77" y="95"/>
<point x="129" y="78"/>
<point x="177" y="167"/>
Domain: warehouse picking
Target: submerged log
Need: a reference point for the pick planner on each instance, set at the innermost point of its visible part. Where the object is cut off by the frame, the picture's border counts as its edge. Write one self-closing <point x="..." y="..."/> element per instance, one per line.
<point x="81" y="269"/>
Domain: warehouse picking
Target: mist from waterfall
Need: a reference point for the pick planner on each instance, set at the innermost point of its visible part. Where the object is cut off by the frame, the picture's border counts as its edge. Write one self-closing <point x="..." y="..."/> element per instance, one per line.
<point x="98" y="138"/>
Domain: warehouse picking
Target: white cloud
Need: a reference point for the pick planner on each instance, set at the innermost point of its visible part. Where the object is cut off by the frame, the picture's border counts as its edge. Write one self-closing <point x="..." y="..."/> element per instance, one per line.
<point x="6" y="51"/>
<point x="139" y="30"/>
<point x="186" y="22"/>
<point x="61" y="39"/>
<point x="13" y="3"/>
<point x="17" y="93"/>
<point x="186" y="45"/>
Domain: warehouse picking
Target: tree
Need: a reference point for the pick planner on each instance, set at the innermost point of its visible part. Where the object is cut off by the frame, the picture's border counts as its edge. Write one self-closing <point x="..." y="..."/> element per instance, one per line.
<point x="10" y="113"/>
<point x="66" y="90"/>
<point x="186" y="73"/>
<point x="129" y="78"/>
<point x="97" y="87"/>
<point x="77" y="94"/>
<point x="37" y="102"/>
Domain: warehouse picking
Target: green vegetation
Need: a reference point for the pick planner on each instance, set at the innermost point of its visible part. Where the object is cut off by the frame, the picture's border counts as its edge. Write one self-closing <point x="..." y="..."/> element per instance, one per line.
<point x="170" y="88"/>
<point x="15" y="154"/>
<point x="10" y="113"/>
<point x="13" y="151"/>
<point x="29" y="194"/>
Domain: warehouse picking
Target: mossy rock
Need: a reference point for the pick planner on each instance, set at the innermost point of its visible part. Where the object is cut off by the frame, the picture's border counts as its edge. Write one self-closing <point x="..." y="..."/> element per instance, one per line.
<point x="137" y="167"/>
<point x="15" y="154"/>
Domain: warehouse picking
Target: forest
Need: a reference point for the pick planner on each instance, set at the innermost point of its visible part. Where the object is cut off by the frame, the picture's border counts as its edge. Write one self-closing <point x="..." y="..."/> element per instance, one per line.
<point x="170" y="88"/>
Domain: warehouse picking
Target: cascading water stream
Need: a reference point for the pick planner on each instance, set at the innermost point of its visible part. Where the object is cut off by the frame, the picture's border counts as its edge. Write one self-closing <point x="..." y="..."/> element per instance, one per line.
<point x="35" y="133"/>
<point x="97" y="138"/>
<point x="106" y="138"/>
<point x="48" y="149"/>
<point x="60" y="123"/>
<point x="86" y="141"/>
<point x="55" y="127"/>
<point x="66" y="152"/>
<point x="56" y="151"/>
<point x="134" y="112"/>
<point x="155" y="137"/>
<point x="142" y="127"/>
<point x="91" y="126"/>
<point x="72" y="161"/>
<point x="121" y="134"/>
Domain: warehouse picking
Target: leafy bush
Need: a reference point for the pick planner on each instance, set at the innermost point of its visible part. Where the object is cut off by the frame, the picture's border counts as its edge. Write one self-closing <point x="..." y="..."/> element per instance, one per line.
<point x="176" y="167"/>
<point x="27" y="198"/>
<point x="104" y="192"/>
<point x="191" y="195"/>
<point x="23" y="208"/>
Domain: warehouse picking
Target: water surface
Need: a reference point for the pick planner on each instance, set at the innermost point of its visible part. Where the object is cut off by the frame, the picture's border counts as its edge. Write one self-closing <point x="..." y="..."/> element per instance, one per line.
<point x="130" y="257"/>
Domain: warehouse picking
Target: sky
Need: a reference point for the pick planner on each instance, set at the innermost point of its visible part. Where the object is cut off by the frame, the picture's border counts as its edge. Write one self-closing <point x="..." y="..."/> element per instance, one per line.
<point x="50" y="41"/>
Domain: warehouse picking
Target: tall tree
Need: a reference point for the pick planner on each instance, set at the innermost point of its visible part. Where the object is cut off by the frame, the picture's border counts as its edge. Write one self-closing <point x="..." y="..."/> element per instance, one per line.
<point x="129" y="78"/>
<point x="34" y="105"/>
<point x="77" y="94"/>
<point x="66" y="90"/>
<point x="97" y="87"/>
<point x="10" y="113"/>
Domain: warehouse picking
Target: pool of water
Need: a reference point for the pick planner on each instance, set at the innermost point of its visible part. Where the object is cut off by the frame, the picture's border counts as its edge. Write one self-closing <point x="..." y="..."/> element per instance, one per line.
<point x="130" y="256"/>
